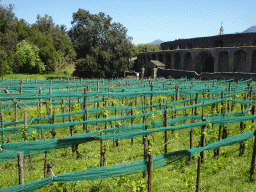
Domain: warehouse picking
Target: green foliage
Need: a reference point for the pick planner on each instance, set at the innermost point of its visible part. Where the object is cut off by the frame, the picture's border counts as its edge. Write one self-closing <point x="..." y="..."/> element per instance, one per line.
<point x="102" y="48"/>
<point x="30" y="58"/>
<point x="139" y="186"/>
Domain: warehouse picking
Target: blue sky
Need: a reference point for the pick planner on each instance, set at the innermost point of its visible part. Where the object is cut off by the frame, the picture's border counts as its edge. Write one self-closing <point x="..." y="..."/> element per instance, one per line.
<point x="149" y="20"/>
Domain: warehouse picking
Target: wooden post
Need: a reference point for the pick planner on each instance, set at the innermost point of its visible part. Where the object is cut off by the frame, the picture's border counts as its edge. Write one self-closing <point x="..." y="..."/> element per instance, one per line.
<point x="132" y="123"/>
<point x="63" y="109"/>
<point x="253" y="110"/>
<point x="26" y="124"/>
<point x="45" y="164"/>
<point x="72" y="133"/>
<point x="177" y="93"/>
<point x="203" y="140"/>
<point x="166" y="132"/>
<point x="50" y="102"/>
<point x="40" y="105"/>
<point x="53" y="132"/>
<point x="145" y="142"/>
<point x="2" y="125"/>
<point x="191" y="144"/>
<point x="102" y="153"/>
<point x="106" y="123"/>
<point x="198" y="174"/>
<point x="242" y="145"/>
<point x="85" y="126"/>
<point x="217" y="151"/>
<point x="196" y="102"/>
<point x="150" y="171"/>
<point x="151" y="98"/>
<point x="20" y="168"/>
<point x="225" y="129"/>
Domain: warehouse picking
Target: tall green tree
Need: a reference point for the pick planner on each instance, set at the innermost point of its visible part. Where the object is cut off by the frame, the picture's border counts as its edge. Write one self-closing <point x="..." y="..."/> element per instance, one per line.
<point x="103" y="48"/>
<point x="30" y="58"/>
<point x="8" y="39"/>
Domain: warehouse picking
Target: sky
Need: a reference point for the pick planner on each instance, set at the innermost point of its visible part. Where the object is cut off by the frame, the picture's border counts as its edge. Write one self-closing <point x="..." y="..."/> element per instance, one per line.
<point x="148" y="20"/>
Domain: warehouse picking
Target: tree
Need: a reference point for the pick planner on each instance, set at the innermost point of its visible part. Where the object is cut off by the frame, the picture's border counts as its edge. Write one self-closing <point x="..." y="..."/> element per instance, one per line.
<point x="102" y="48"/>
<point x="30" y="58"/>
<point x="8" y="39"/>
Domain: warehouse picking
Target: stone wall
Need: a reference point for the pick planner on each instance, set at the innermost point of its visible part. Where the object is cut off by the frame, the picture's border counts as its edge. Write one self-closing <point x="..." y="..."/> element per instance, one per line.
<point x="204" y="76"/>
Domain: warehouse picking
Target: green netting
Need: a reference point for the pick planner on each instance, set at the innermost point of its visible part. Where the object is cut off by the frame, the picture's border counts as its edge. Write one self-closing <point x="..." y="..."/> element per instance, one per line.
<point x="117" y="133"/>
<point x="139" y="88"/>
<point x="129" y="167"/>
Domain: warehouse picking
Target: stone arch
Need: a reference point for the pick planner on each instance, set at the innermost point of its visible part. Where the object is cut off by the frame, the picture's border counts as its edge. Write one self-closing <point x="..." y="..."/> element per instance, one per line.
<point x="240" y="61"/>
<point x="223" y="61"/>
<point x="148" y="57"/>
<point x="168" y="61"/>
<point x="144" y="59"/>
<point x="160" y="58"/>
<point x="153" y="57"/>
<point x="177" y="61"/>
<point x="204" y="62"/>
<point x="187" y="61"/>
<point x="218" y="43"/>
<point x="189" y="46"/>
<point x="253" y="63"/>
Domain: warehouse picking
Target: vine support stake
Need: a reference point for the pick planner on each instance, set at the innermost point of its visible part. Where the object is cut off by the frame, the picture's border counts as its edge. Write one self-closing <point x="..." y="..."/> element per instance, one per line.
<point x="198" y="174"/>
<point x="166" y="132"/>
<point x="203" y="140"/>
<point x="132" y="123"/>
<point x="2" y="125"/>
<point x="20" y="168"/>
<point x="150" y="170"/>
<point x="145" y="142"/>
<point x="85" y="126"/>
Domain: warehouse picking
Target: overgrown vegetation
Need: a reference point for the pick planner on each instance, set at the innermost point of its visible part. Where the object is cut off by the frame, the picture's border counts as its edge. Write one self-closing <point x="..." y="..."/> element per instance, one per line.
<point x="101" y="48"/>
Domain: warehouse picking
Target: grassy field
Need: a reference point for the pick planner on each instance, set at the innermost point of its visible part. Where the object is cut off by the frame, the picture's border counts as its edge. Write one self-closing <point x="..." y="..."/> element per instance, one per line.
<point x="228" y="173"/>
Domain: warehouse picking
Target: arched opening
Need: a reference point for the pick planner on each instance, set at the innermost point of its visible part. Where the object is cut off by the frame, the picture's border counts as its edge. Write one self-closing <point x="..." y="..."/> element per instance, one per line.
<point x="189" y="46"/>
<point x="144" y="59"/>
<point x="240" y="61"/>
<point x="177" y="61"/>
<point x="253" y="64"/>
<point x="153" y="57"/>
<point x="148" y="58"/>
<point x="208" y="65"/>
<point x="171" y="47"/>
<point x="204" y="63"/>
<point x="168" y="61"/>
<point x="160" y="58"/>
<point x="179" y="46"/>
<point x="223" y="61"/>
<point x="187" y="61"/>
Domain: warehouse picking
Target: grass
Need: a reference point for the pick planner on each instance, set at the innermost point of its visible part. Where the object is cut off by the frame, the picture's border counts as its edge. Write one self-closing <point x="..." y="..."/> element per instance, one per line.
<point x="63" y="73"/>
<point x="229" y="173"/>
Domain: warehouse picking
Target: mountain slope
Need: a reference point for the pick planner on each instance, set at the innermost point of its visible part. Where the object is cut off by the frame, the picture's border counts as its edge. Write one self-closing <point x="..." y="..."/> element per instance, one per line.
<point x="252" y="29"/>
<point x="158" y="41"/>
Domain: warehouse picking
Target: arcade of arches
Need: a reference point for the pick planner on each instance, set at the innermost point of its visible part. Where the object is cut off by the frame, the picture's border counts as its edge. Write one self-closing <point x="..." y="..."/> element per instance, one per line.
<point x="237" y="59"/>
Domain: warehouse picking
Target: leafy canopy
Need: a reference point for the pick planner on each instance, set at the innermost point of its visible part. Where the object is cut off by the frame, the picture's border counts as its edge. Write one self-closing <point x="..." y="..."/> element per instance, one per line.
<point x="103" y="48"/>
<point x="30" y="58"/>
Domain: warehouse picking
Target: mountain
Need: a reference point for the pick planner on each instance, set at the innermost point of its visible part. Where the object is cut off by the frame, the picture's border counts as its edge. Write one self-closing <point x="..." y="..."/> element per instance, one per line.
<point x="158" y="41"/>
<point x="250" y="30"/>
